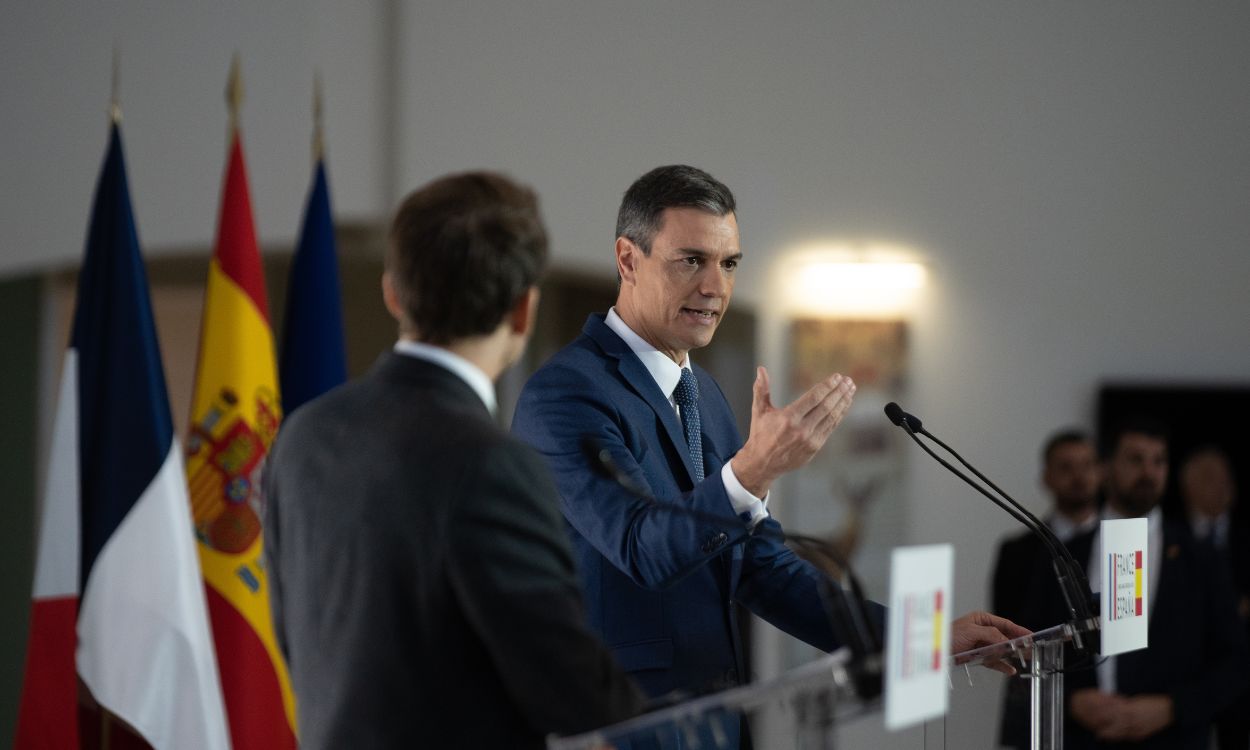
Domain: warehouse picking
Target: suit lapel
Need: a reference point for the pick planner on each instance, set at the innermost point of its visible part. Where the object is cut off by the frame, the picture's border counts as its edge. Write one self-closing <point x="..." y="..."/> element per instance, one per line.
<point x="639" y="380"/>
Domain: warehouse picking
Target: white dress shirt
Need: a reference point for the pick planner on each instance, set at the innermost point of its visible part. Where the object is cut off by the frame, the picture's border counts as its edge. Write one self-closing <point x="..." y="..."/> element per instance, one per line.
<point x="667" y="374"/>
<point x="1214" y="529"/>
<point x="1062" y="526"/>
<point x="459" y="366"/>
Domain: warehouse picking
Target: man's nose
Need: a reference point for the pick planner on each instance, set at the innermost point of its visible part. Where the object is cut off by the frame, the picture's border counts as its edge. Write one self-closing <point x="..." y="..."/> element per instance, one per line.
<point x="713" y="282"/>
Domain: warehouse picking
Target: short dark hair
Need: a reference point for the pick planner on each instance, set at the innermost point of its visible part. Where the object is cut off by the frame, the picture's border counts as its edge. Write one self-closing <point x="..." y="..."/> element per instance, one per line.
<point x="462" y="252"/>
<point x="1060" y="439"/>
<point x="674" y="186"/>
<point x="1206" y="450"/>
<point x="1138" y="424"/>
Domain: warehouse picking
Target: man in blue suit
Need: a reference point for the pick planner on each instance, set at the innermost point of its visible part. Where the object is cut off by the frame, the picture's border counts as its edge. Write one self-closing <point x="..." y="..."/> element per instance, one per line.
<point x="663" y="585"/>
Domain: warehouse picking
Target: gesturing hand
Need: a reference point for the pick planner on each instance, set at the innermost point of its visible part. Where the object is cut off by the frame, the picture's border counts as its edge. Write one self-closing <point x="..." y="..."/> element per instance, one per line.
<point x="783" y="439"/>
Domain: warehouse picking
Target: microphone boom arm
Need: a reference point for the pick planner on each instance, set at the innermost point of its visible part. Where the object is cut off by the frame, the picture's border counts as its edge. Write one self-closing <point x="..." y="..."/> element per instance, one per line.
<point x="1067" y="570"/>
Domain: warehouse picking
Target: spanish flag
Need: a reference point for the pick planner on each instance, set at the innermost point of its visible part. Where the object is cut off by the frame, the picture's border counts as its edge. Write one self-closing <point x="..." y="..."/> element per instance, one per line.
<point x="235" y="413"/>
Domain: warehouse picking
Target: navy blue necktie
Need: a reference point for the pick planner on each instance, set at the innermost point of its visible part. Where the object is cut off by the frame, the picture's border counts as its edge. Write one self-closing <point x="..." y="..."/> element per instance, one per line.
<point x="686" y="394"/>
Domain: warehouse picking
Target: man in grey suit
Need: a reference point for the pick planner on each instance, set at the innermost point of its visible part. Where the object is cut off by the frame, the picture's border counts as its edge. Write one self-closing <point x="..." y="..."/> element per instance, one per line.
<point x="422" y="584"/>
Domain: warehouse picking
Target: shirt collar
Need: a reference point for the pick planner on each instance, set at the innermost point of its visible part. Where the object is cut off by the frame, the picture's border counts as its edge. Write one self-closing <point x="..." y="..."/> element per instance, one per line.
<point x="1154" y="518"/>
<point x="459" y="366"/>
<point x="1204" y="526"/>
<point x="664" y="371"/>
<point x="1065" y="529"/>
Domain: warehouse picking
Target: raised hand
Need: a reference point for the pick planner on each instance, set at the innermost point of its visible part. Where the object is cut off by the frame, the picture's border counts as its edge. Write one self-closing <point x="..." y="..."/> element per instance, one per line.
<point x="783" y="439"/>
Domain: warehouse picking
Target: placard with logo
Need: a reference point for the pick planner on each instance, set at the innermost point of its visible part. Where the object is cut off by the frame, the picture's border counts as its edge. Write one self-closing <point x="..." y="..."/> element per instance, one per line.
<point x="919" y="635"/>
<point x="1125" y="585"/>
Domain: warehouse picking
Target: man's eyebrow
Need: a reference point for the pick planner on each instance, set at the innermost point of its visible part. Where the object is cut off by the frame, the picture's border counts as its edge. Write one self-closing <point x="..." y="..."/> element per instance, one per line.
<point x="686" y="252"/>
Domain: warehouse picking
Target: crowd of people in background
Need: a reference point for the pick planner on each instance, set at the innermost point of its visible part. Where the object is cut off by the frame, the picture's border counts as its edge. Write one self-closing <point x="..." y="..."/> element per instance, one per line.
<point x="1188" y="688"/>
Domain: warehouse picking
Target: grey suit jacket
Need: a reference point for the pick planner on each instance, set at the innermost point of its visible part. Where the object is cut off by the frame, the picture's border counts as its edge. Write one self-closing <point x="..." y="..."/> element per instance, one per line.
<point x="422" y="585"/>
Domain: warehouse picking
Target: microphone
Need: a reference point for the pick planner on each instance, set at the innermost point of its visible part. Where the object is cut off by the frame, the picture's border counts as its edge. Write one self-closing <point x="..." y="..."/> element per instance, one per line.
<point x="1072" y="583"/>
<point x="899" y="417"/>
<point x="848" y="615"/>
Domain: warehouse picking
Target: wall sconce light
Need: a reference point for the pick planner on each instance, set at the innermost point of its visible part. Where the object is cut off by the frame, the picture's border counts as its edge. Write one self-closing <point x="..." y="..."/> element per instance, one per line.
<point x="825" y="278"/>
<point x="812" y="285"/>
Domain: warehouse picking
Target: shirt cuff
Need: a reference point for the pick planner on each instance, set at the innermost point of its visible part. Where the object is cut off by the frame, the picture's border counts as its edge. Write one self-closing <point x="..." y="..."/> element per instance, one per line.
<point x="749" y="508"/>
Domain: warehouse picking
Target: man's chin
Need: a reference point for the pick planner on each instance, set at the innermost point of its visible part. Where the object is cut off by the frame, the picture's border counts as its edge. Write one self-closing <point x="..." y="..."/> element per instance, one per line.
<point x="1138" y="504"/>
<point x="699" y="338"/>
<point x="1075" y="507"/>
<point x="698" y="342"/>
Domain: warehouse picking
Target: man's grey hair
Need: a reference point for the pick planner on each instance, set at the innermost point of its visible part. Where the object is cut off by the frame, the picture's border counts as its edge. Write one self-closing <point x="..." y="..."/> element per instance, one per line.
<point x="674" y="186"/>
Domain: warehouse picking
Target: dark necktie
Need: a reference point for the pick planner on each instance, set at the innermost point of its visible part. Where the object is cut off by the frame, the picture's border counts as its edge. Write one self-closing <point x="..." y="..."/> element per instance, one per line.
<point x="686" y="394"/>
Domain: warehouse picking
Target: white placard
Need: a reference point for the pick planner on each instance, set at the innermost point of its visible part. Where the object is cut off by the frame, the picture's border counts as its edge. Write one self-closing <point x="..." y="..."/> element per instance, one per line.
<point x="1125" y="585"/>
<point x="919" y="635"/>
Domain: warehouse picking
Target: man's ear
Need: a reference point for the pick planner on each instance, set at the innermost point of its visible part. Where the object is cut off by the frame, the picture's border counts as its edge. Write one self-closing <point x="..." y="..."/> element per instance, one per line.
<point x="524" y="313"/>
<point x="627" y="257"/>
<point x="390" y="297"/>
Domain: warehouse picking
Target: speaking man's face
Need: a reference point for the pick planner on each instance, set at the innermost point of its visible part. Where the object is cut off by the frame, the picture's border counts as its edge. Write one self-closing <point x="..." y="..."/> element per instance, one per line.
<point x="1137" y="473"/>
<point x="675" y="297"/>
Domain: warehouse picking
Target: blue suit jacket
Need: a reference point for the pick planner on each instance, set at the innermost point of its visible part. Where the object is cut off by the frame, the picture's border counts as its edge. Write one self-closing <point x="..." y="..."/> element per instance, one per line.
<point x="661" y="586"/>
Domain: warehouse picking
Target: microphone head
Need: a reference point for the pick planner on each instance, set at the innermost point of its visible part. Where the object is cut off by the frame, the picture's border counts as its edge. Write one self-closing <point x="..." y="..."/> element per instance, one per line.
<point x="598" y="456"/>
<point x="900" y="418"/>
<point x="601" y="461"/>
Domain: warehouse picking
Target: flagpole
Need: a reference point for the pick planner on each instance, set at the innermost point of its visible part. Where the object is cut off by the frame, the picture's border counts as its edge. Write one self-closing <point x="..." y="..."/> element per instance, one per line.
<point x="234" y="96"/>
<point x="318" y="144"/>
<point x="115" y="118"/>
<point x="115" y="101"/>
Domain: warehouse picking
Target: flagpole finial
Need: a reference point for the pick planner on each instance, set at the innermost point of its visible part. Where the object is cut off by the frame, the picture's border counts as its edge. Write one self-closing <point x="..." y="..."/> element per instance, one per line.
<point x="318" y="145"/>
<point x="234" y="92"/>
<point x="115" y="101"/>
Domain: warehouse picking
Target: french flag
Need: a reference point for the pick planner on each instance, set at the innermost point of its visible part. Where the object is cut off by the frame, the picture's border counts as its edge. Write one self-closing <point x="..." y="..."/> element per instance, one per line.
<point x="119" y="606"/>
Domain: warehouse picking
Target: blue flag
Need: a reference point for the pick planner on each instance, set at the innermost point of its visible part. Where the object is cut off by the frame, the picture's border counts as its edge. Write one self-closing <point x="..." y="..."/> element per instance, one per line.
<point x="313" y="357"/>
<point x="125" y="428"/>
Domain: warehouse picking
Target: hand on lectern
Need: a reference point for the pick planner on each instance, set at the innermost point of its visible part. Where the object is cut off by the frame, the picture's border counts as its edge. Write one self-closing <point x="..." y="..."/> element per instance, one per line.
<point x="977" y="629"/>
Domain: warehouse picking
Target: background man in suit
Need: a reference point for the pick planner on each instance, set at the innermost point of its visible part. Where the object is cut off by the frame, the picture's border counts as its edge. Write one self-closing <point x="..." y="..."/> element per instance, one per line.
<point x="1024" y="588"/>
<point x="1164" y="696"/>
<point x="662" y="585"/>
<point x="1071" y="475"/>
<point x="423" y="588"/>
<point x="1209" y="495"/>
